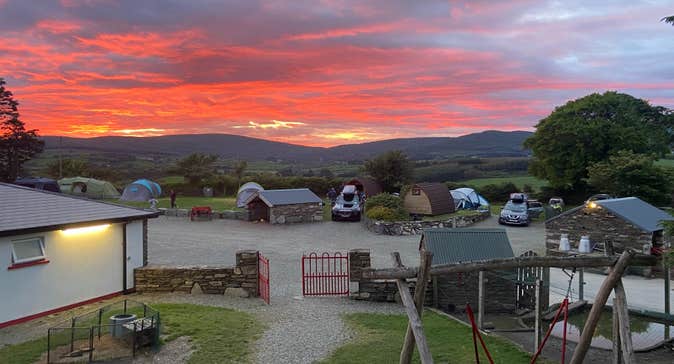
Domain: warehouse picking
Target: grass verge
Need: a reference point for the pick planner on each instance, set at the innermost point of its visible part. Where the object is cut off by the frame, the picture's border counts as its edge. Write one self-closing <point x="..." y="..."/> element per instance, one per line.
<point x="379" y="340"/>
<point x="519" y="181"/>
<point x="216" y="203"/>
<point x="219" y="335"/>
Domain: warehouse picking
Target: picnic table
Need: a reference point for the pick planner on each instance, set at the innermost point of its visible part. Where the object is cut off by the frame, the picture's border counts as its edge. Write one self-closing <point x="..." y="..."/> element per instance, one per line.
<point x="201" y="212"/>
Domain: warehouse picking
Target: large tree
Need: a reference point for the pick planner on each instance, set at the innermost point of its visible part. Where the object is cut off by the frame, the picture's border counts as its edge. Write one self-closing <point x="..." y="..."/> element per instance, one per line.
<point x="17" y="145"/>
<point x="668" y="19"/>
<point x="589" y="130"/>
<point x="197" y="167"/>
<point x="629" y="174"/>
<point x="391" y="169"/>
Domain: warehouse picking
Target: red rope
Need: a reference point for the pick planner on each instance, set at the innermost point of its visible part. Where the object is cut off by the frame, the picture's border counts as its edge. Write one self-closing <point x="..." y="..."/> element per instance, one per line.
<point x="564" y="306"/>
<point x="476" y="332"/>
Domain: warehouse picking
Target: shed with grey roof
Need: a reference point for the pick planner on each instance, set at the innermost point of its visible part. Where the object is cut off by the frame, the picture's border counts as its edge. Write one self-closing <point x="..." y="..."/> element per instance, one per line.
<point x="59" y="251"/>
<point x="627" y="222"/>
<point x="452" y="246"/>
<point x="285" y="206"/>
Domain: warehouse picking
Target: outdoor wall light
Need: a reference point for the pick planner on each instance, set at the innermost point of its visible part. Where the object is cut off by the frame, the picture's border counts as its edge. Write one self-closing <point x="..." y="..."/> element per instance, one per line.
<point x="85" y="229"/>
<point x="592" y="205"/>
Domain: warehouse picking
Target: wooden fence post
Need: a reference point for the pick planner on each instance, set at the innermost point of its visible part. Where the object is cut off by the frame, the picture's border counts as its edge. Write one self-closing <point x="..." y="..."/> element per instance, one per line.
<point x="480" y="300"/>
<point x="538" y="323"/>
<point x="413" y="315"/>
<point x="599" y="302"/>
<point x="624" y="323"/>
<point x="617" y="354"/>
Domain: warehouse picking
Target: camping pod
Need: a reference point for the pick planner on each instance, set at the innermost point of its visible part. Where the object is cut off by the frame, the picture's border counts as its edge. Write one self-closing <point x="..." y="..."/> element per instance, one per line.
<point x="429" y="199"/>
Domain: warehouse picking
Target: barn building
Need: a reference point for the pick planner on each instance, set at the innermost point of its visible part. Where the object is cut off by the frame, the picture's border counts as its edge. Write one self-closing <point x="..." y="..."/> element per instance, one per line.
<point x="285" y="206"/>
<point x="59" y="251"/>
<point x="626" y="222"/>
<point x="429" y="199"/>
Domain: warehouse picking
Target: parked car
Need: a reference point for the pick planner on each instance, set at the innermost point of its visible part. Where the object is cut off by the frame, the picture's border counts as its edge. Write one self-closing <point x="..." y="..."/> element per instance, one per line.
<point x="514" y="214"/>
<point x="348" y="205"/>
<point x="556" y="201"/>
<point x="535" y="209"/>
<point x="598" y="197"/>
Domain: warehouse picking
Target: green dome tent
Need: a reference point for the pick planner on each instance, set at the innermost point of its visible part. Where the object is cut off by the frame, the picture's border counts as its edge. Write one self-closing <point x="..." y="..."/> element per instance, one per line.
<point x="88" y="187"/>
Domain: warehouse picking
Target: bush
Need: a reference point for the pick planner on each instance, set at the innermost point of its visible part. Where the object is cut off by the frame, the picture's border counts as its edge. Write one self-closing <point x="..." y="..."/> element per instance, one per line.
<point x="498" y="192"/>
<point x="386" y="214"/>
<point x="385" y="207"/>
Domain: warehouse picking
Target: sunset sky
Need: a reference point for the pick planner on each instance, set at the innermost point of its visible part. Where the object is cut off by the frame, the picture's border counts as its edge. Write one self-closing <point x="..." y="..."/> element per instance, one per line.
<point x="324" y="72"/>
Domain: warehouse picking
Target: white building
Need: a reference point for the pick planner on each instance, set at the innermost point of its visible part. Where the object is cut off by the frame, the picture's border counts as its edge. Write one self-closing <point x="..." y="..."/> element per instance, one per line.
<point x="59" y="251"/>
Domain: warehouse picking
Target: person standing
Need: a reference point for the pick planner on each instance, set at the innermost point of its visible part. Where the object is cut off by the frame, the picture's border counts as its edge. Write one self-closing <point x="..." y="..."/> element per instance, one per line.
<point x="172" y="195"/>
<point x="332" y="195"/>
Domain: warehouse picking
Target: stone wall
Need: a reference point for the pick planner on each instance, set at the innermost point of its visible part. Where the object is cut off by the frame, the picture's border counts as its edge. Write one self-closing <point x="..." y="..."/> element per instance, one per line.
<point x="211" y="280"/>
<point x="286" y="214"/>
<point x="417" y="227"/>
<point x="600" y="225"/>
<point x="225" y="214"/>
<point x="452" y="292"/>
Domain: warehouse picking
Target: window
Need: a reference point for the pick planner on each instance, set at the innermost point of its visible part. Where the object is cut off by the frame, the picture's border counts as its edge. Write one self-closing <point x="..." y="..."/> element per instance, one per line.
<point x="416" y="191"/>
<point x="27" y="250"/>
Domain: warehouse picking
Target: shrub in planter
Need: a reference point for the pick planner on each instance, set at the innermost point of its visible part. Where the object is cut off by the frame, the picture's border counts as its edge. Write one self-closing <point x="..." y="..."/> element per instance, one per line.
<point x="385" y="214"/>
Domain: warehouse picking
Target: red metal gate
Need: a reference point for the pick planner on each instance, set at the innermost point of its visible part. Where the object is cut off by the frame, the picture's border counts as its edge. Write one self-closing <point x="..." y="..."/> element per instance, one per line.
<point x="263" y="277"/>
<point x="325" y="275"/>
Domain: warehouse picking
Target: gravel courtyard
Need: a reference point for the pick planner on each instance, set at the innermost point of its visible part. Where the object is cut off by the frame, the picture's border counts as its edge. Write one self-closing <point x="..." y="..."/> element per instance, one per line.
<point x="300" y="330"/>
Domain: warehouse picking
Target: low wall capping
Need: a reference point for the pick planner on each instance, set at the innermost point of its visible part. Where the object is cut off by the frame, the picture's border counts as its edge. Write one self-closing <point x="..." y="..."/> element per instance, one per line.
<point x="211" y="279"/>
<point x="417" y="227"/>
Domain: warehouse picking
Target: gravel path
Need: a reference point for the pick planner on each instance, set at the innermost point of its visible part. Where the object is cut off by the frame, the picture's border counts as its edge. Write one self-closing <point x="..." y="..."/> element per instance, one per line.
<point x="299" y="330"/>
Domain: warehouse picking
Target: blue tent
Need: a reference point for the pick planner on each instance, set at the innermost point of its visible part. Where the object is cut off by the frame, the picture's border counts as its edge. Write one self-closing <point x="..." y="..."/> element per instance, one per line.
<point x="141" y="190"/>
<point x="468" y="198"/>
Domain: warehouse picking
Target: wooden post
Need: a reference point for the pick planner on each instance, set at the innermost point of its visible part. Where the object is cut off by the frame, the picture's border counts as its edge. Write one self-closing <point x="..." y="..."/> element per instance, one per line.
<point x="617" y="354"/>
<point x="599" y="302"/>
<point x="419" y="296"/>
<point x="668" y="277"/>
<point x="414" y="319"/>
<point x="624" y="323"/>
<point x="538" y="323"/>
<point x="436" y="302"/>
<point x="480" y="300"/>
<point x="581" y="284"/>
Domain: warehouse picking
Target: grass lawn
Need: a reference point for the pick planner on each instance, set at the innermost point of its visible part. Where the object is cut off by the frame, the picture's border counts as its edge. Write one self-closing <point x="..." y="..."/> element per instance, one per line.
<point x="219" y="335"/>
<point x="184" y="202"/>
<point x="379" y="340"/>
<point x="519" y="181"/>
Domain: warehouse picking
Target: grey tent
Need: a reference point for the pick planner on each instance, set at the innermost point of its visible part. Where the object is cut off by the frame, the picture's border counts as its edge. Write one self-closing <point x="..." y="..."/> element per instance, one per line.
<point x="88" y="187"/>
<point x="245" y="191"/>
<point x="141" y="190"/>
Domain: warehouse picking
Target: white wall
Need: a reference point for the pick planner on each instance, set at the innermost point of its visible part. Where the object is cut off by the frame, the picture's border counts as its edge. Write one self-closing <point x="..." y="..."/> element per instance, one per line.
<point x="134" y="250"/>
<point x="81" y="267"/>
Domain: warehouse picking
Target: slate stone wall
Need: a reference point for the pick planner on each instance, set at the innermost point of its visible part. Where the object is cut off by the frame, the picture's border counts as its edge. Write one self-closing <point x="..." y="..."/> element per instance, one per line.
<point x="453" y="292"/>
<point x="417" y="227"/>
<point x="211" y="280"/>
<point x="600" y="225"/>
<point x="287" y="214"/>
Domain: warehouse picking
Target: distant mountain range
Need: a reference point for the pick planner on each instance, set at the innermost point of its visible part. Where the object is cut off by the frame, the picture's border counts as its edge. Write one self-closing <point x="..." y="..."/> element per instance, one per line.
<point x="484" y="144"/>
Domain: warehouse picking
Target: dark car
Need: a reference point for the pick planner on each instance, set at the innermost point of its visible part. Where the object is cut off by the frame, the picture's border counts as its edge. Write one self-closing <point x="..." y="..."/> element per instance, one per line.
<point x="514" y="214"/>
<point x="535" y="208"/>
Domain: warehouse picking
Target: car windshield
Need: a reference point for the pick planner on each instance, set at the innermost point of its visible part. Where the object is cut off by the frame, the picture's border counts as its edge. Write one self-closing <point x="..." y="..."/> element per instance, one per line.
<point x="515" y="208"/>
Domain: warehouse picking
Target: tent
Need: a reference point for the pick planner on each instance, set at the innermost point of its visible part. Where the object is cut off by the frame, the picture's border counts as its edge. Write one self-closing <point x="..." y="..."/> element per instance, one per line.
<point x="39" y="183"/>
<point x="468" y="198"/>
<point x="245" y="191"/>
<point x="88" y="187"/>
<point x="141" y="190"/>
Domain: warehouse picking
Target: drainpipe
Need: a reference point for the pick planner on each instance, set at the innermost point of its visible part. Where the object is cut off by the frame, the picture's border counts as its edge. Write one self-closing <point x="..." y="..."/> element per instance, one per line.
<point x="124" y="288"/>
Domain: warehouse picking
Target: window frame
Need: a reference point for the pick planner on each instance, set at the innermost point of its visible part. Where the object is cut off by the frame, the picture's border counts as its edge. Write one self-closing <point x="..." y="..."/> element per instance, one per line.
<point x="43" y="257"/>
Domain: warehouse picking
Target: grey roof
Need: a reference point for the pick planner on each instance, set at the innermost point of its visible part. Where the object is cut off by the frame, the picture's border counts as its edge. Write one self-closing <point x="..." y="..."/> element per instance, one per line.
<point x="286" y="197"/>
<point x="25" y="209"/>
<point x="641" y="214"/>
<point x="465" y="245"/>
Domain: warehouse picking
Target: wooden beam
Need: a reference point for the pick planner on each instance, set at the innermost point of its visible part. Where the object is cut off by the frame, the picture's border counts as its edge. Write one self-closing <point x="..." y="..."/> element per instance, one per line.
<point x="413" y="315"/>
<point x="624" y="323"/>
<point x="419" y="296"/>
<point x="599" y="302"/>
<point x="616" y="353"/>
<point x="509" y="263"/>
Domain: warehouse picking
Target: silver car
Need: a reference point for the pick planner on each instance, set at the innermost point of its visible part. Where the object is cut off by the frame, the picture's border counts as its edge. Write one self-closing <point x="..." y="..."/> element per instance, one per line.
<point x="348" y="205"/>
<point x="514" y="214"/>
